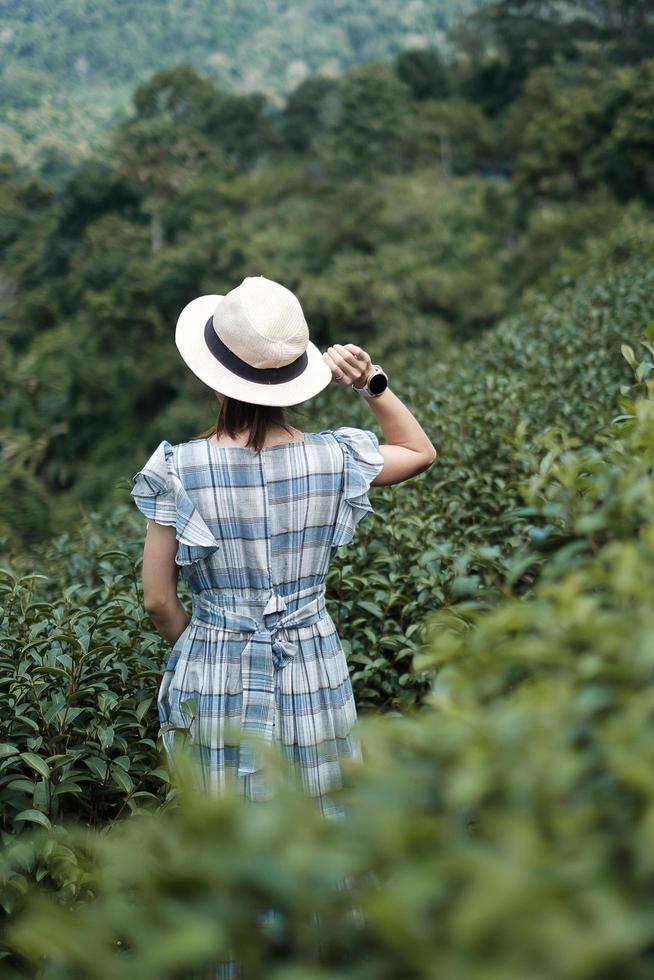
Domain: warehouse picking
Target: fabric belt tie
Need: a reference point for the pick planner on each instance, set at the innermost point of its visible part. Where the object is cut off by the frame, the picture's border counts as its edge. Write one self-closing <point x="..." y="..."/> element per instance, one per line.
<point x="267" y="650"/>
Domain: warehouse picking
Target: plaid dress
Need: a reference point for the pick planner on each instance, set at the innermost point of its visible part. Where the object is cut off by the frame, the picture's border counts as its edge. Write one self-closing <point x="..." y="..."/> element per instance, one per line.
<point x="261" y="656"/>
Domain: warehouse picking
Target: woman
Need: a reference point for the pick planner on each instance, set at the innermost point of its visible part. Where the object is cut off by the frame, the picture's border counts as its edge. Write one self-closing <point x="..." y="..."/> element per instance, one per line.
<point x="252" y="512"/>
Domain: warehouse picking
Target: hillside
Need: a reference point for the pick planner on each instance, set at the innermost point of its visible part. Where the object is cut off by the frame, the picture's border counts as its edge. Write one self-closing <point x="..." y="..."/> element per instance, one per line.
<point x="69" y="68"/>
<point x="373" y="195"/>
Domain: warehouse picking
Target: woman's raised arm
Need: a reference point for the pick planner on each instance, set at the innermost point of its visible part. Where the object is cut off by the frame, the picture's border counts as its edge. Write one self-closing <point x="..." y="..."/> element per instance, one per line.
<point x="408" y="449"/>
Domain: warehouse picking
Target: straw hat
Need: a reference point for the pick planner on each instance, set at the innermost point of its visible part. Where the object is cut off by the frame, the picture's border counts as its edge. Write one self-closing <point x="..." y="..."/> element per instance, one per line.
<point x="252" y="344"/>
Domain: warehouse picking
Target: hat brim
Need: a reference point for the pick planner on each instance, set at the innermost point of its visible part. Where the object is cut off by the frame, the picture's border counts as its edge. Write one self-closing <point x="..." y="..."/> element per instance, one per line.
<point x="190" y="342"/>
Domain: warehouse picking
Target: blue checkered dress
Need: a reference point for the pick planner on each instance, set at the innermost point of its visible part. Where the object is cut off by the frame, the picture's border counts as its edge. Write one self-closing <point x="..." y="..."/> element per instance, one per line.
<point x="261" y="655"/>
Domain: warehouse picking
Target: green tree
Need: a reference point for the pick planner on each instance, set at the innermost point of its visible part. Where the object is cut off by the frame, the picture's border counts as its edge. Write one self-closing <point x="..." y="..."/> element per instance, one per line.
<point x="241" y="129"/>
<point x="164" y="144"/>
<point x="368" y="127"/>
<point x="580" y="125"/>
<point x="627" y="25"/>
<point x="423" y="71"/>
<point x="623" y="158"/>
<point x="453" y="134"/>
<point x="178" y="96"/>
<point x="503" y="42"/>
<point x="308" y="111"/>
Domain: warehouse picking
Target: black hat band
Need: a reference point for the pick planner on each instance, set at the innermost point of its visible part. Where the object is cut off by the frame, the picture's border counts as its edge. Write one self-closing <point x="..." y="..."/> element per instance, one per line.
<point x="233" y="363"/>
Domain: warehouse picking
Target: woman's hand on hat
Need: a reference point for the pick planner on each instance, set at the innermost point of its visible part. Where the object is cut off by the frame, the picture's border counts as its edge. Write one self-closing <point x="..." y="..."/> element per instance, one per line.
<point x="350" y="365"/>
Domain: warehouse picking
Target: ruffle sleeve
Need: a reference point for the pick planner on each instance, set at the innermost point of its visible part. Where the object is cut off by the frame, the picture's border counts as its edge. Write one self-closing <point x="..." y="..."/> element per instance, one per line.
<point x="159" y="493"/>
<point x="362" y="462"/>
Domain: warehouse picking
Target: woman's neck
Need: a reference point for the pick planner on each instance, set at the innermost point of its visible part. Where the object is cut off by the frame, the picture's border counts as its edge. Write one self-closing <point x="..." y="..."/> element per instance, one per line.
<point x="276" y="435"/>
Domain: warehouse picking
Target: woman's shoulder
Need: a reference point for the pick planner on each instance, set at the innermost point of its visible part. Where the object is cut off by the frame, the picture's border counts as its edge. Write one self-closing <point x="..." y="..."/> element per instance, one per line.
<point x="355" y="452"/>
<point x="351" y="439"/>
<point x="346" y="433"/>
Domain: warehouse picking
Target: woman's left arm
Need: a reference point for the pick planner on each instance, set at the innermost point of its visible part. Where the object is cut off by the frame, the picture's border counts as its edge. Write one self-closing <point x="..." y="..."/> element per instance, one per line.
<point x="160" y="575"/>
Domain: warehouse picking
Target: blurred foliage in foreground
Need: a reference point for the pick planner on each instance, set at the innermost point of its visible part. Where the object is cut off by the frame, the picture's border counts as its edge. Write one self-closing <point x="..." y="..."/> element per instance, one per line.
<point x="503" y="830"/>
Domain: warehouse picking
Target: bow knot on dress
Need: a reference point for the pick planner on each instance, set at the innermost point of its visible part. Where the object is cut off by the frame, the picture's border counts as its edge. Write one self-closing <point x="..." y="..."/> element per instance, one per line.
<point x="266" y="648"/>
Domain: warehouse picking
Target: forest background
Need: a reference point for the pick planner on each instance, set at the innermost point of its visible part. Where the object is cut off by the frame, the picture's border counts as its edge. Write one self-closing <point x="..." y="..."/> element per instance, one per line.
<point x="465" y="190"/>
<point x="411" y="203"/>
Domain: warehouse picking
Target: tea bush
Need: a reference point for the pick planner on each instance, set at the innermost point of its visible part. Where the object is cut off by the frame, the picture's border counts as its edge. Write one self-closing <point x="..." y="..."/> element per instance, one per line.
<point x="78" y="680"/>
<point x="503" y="830"/>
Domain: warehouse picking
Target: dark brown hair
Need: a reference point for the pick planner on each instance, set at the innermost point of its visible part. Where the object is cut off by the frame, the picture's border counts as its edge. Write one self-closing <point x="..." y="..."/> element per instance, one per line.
<point x="235" y="416"/>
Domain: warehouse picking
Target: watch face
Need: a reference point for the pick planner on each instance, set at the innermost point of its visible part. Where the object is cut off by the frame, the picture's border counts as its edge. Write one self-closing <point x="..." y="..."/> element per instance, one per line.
<point x="377" y="384"/>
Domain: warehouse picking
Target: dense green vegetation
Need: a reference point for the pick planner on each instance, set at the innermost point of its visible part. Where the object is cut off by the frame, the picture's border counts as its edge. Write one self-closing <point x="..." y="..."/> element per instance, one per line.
<point x="505" y="827"/>
<point x="406" y="214"/>
<point x="68" y="69"/>
<point x="481" y="223"/>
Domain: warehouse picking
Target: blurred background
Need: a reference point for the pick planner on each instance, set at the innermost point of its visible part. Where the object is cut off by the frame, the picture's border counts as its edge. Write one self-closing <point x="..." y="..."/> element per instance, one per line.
<point x="410" y="170"/>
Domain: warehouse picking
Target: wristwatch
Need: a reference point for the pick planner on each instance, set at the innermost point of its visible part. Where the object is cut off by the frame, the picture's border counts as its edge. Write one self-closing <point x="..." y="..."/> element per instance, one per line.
<point x="376" y="384"/>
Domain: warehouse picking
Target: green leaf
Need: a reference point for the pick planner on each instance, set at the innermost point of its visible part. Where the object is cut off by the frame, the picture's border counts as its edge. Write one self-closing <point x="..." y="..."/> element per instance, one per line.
<point x="142" y="707"/>
<point x="34" y="816"/>
<point x="96" y="765"/>
<point x="371" y="607"/>
<point x="628" y="354"/>
<point x="464" y="585"/>
<point x="190" y="706"/>
<point x="23" y="784"/>
<point x="67" y="786"/>
<point x="36" y="762"/>
<point x="123" y="779"/>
